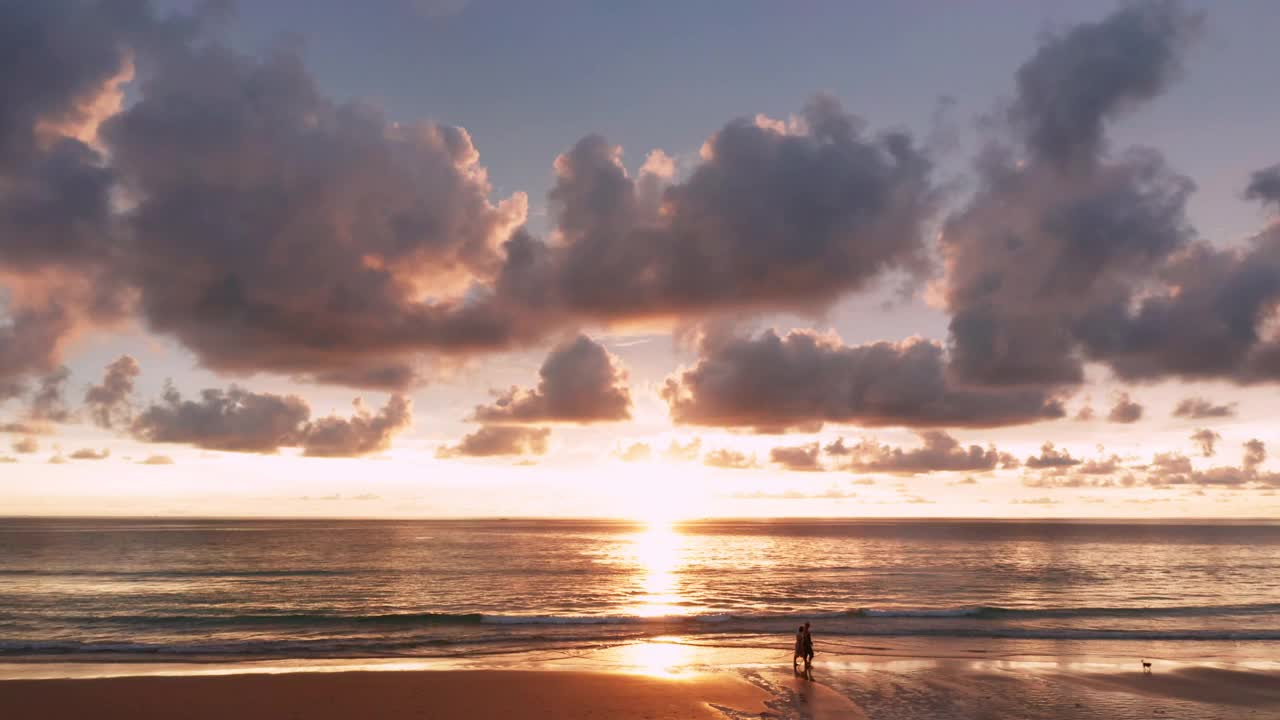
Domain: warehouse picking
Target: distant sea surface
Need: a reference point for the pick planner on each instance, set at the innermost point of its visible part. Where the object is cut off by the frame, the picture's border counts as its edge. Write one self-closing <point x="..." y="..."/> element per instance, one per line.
<point x="98" y="589"/>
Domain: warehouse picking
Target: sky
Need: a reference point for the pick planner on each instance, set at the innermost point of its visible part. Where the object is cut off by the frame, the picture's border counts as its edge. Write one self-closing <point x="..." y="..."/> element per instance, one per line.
<point x="443" y="258"/>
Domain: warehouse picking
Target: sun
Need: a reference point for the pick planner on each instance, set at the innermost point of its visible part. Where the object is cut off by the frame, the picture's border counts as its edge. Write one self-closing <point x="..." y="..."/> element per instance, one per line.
<point x="660" y="493"/>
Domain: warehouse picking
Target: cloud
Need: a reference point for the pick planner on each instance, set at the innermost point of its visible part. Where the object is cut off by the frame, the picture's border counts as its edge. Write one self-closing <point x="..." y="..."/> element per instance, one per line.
<point x="498" y="440"/>
<point x="91" y="454"/>
<point x="363" y="433"/>
<point x="1198" y="408"/>
<point x="49" y="402"/>
<point x="1082" y="78"/>
<point x="238" y="420"/>
<point x="837" y="448"/>
<point x="157" y="460"/>
<point x="1035" y="501"/>
<point x="831" y="493"/>
<point x="234" y="420"/>
<point x="1168" y="469"/>
<point x="689" y="451"/>
<point x="730" y="459"/>
<point x="247" y="186"/>
<point x="774" y="215"/>
<point x="1255" y="453"/>
<point x="1264" y="185"/>
<point x="1125" y="410"/>
<point x="1051" y="457"/>
<point x="1176" y="470"/>
<point x="803" y="380"/>
<point x="25" y="446"/>
<point x="635" y="452"/>
<point x="299" y="235"/>
<point x="580" y="382"/>
<point x="109" y="403"/>
<point x="1071" y="252"/>
<point x="1206" y="440"/>
<point x="64" y="65"/>
<point x="939" y="452"/>
<point x="1059" y="470"/>
<point x="6" y="460"/>
<point x="803" y="458"/>
<point x="26" y="428"/>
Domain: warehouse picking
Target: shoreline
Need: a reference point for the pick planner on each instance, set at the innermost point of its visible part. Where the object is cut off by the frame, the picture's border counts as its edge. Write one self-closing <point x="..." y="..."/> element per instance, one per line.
<point x="901" y="689"/>
<point x="675" y="678"/>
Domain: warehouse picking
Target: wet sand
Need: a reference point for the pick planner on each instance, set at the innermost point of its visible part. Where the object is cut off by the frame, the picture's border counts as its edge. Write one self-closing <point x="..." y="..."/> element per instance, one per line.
<point x="937" y="680"/>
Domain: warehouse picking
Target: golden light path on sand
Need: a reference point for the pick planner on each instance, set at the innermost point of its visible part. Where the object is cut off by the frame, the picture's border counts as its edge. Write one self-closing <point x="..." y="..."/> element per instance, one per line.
<point x="658" y="552"/>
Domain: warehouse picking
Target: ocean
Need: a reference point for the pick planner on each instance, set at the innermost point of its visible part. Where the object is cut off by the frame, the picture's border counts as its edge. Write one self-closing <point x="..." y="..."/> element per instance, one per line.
<point x="105" y="589"/>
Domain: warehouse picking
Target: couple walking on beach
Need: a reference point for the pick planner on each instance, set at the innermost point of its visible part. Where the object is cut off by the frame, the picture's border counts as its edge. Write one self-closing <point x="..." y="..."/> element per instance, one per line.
<point x="804" y="648"/>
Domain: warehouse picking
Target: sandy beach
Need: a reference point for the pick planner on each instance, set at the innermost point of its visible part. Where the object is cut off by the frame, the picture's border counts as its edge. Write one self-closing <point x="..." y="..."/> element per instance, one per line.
<point x="445" y="694"/>
<point x="844" y="687"/>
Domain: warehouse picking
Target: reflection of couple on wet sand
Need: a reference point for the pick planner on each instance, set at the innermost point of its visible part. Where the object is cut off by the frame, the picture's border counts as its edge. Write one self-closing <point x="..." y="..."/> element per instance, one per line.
<point x="804" y="649"/>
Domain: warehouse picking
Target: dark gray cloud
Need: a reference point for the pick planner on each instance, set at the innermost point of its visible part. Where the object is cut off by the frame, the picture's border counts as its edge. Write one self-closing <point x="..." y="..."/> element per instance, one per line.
<point x="61" y="65"/>
<point x="1264" y="185"/>
<point x="1069" y="252"/>
<point x="281" y="231"/>
<point x="499" y="440"/>
<point x="938" y="452"/>
<point x="363" y="433"/>
<point x="91" y="454"/>
<point x="1038" y="260"/>
<point x="1171" y="469"/>
<point x="730" y="459"/>
<point x="109" y="403"/>
<point x="772" y="216"/>
<point x="800" y="458"/>
<point x="25" y="446"/>
<point x="1051" y="457"/>
<point x="802" y="380"/>
<point x="1255" y="453"/>
<point x="1205" y="320"/>
<point x="49" y="401"/>
<point x="271" y="228"/>
<point x="1173" y="472"/>
<point x="237" y="420"/>
<point x="1125" y="410"/>
<point x="580" y="382"/>
<point x="1198" y="408"/>
<point x="1086" y="76"/>
<point x="1058" y="470"/>
<point x="234" y="420"/>
<point x="1206" y="440"/>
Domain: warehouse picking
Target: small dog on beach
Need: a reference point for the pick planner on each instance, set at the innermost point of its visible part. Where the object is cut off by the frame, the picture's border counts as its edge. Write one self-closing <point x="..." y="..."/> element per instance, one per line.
<point x="1146" y="667"/>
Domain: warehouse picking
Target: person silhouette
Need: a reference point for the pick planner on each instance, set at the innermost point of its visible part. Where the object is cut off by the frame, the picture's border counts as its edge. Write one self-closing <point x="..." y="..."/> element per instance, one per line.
<point x="808" y="647"/>
<point x="798" y="654"/>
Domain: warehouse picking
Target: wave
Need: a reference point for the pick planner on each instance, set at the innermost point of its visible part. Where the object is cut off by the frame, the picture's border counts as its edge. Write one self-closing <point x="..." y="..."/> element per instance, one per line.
<point x="171" y="573"/>
<point x="976" y="613"/>
<point x="444" y="647"/>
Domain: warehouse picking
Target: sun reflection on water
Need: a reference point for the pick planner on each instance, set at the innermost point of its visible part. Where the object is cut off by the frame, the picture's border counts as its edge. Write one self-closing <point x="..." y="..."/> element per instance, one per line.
<point x="658" y="552"/>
